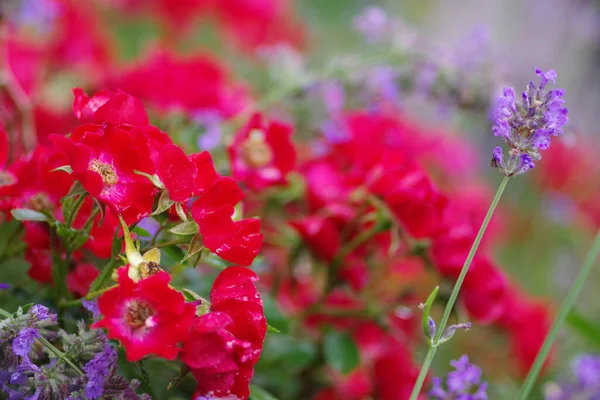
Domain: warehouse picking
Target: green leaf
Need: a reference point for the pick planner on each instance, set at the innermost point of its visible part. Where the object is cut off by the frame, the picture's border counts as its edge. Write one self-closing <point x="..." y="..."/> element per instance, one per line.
<point x="144" y="374"/>
<point x="276" y="319"/>
<point x="190" y="295"/>
<point x="141" y="232"/>
<point x="26" y="214"/>
<point x="341" y="351"/>
<point x="153" y="178"/>
<point x="185" y="228"/>
<point x="586" y="328"/>
<point x="184" y="370"/>
<point x="79" y="240"/>
<point x="164" y="203"/>
<point x="180" y="212"/>
<point x="272" y="329"/>
<point x="75" y="190"/>
<point x="196" y="245"/>
<point x="174" y="252"/>
<point x="116" y="244"/>
<point x="102" y="208"/>
<point x="258" y="393"/>
<point x="427" y="311"/>
<point x="65" y="168"/>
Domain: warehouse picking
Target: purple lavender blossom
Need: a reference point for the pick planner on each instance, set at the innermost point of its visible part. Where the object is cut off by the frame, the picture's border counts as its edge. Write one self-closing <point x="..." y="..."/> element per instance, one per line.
<point x="372" y="23"/>
<point x="21" y="345"/>
<point x="528" y="124"/>
<point x="38" y="14"/>
<point x="334" y="96"/>
<point x="335" y="130"/>
<point x="92" y="306"/>
<point x="97" y="371"/>
<point x="4" y="286"/>
<point x="381" y="81"/>
<point x="42" y="313"/>
<point x="463" y="383"/>
<point x="585" y="386"/>
<point x="211" y="121"/>
<point x="150" y="225"/>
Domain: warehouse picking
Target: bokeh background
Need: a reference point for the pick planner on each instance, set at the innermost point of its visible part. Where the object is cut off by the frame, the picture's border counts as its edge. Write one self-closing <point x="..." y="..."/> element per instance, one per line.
<point x="545" y="228"/>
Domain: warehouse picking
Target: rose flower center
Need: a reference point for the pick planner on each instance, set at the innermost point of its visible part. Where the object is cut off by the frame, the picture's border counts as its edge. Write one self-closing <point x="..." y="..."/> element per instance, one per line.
<point x="139" y="314"/>
<point x="40" y="202"/>
<point x="106" y="171"/>
<point x="256" y="152"/>
<point x="6" y="178"/>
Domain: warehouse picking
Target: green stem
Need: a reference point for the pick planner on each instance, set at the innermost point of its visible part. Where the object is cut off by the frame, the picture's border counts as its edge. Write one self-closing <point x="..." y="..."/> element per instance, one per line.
<point x="352" y="245"/>
<point x="50" y="347"/>
<point x="90" y="220"/>
<point x="454" y="295"/>
<point x="165" y="244"/>
<point x="59" y="267"/>
<point x="566" y="306"/>
<point x="76" y="207"/>
<point x="105" y="274"/>
<point x="89" y="296"/>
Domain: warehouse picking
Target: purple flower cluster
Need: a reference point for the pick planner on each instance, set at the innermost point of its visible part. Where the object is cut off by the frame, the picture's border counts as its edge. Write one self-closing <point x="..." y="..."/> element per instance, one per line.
<point x="585" y="386"/>
<point x="373" y="23"/>
<point x="463" y="383"/>
<point x="97" y="370"/>
<point x="528" y="124"/>
<point x="26" y="372"/>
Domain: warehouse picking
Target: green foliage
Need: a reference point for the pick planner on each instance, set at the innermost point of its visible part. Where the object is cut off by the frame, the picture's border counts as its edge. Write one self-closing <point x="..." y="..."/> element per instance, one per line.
<point x="341" y="351"/>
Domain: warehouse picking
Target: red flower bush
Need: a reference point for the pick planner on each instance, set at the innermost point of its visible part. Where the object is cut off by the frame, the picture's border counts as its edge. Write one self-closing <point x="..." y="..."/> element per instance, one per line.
<point x="147" y="317"/>
<point x="261" y="154"/>
<point x="225" y="344"/>
<point x="191" y="84"/>
<point x="107" y="153"/>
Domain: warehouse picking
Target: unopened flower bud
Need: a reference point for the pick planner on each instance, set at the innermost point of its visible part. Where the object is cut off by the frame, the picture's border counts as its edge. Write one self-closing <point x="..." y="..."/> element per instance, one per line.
<point x="451" y="330"/>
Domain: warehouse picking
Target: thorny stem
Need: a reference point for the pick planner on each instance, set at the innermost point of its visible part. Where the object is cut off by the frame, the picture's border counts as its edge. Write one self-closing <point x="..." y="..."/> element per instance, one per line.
<point x="454" y="295"/>
<point x="50" y="347"/>
<point x="565" y="307"/>
<point x="16" y="93"/>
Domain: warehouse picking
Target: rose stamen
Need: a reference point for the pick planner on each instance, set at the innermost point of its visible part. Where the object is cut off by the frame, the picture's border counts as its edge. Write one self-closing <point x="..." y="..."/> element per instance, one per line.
<point x="138" y="315"/>
<point x="106" y="171"/>
<point x="256" y="152"/>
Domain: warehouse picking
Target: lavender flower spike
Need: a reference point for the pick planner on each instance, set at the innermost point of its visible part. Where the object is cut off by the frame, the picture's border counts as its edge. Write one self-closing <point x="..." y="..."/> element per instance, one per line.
<point x="463" y="383"/>
<point x="98" y="370"/>
<point x="527" y="124"/>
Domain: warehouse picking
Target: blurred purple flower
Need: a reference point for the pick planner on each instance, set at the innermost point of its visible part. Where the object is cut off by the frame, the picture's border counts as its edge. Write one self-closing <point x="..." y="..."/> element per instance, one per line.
<point x="4" y="286"/>
<point x="38" y="14"/>
<point x="381" y="81"/>
<point x="586" y="385"/>
<point x="334" y="96"/>
<point x="211" y="121"/>
<point x="463" y="383"/>
<point x="92" y="306"/>
<point x="335" y="130"/>
<point x="372" y="23"/>
<point x="150" y="225"/>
